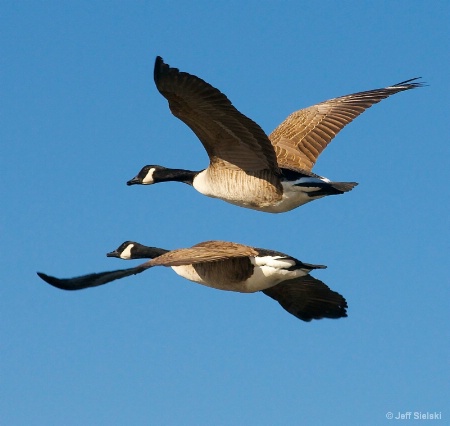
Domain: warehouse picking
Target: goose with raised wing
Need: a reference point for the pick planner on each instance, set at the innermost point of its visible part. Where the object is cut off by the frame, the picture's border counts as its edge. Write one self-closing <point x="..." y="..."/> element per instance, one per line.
<point x="248" y="168"/>
<point x="229" y="266"/>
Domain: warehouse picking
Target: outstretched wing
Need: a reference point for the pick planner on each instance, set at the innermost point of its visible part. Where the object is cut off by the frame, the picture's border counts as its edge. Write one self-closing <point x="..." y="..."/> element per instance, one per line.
<point x="208" y="251"/>
<point x="301" y="138"/>
<point x="308" y="298"/>
<point x="92" y="280"/>
<point x="230" y="138"/>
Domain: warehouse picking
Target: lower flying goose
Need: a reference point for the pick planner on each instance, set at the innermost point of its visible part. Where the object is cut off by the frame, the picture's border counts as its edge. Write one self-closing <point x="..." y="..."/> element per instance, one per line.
<point x="248" y="168"/>
<point x="229" y="266"/>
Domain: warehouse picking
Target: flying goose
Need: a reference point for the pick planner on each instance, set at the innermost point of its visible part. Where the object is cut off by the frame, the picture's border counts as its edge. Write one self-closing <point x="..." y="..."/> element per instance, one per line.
<point x="248" y="168"/>
<point x="233" y="267"/>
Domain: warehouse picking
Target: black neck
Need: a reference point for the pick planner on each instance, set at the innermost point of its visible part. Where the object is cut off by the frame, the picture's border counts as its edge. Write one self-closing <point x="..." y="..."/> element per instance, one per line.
<point x="144" y="252"/>
<point x="177" y="175"/>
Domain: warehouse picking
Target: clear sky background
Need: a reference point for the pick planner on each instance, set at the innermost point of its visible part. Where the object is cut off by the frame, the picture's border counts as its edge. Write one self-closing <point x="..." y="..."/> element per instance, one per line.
<point x="80" y="115"/>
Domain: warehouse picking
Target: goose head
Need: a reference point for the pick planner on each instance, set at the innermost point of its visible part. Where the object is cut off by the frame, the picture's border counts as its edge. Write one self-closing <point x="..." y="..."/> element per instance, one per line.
<point x="127" y="250"/>
<point x="151" y="174"/>
<point x="147" y="175"/>
<point x="132" y="250"/>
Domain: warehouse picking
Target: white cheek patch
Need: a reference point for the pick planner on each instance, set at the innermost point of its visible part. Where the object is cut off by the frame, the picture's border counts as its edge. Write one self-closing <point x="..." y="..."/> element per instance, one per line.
<point x="126" y="254"/>
<point x="149" y="177"/>
<point x="277" y="262"/>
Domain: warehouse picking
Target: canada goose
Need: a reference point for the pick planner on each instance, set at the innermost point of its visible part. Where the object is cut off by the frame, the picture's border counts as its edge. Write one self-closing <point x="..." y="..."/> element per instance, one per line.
<point x="248" y="168"/>
<point x="229" y="266"/>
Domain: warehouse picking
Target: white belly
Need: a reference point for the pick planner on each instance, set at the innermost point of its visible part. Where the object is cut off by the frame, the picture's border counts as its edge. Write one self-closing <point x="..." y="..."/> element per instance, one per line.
<point x="188" y="272"/>
<point x="246" y="191"/>
<point x="263" y="277"/>
<point x="237" y="187"/>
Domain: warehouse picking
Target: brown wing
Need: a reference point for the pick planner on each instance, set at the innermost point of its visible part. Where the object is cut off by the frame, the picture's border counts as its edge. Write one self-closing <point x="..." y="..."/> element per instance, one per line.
<point x="302" y="137"/>
<point x="308" y="298"/>
<point x="225" y="133"/>
<point x="208" y="251"/>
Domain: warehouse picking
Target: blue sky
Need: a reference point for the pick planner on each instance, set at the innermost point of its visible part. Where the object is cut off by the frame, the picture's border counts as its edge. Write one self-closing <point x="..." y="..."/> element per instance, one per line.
<point x="80" y="116"/>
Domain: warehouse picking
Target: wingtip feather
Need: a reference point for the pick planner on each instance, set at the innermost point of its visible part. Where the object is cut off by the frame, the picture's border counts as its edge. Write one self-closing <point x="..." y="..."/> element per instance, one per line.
<point x="411" y="83"/>
<point x="55" y="282"/>
<point x="159" y="67"/>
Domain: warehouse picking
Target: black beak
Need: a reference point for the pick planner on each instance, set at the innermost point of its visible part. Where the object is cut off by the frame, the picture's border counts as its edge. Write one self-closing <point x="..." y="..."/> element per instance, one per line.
<point x="114" y="253"/>
<point x="134" y="181"/>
